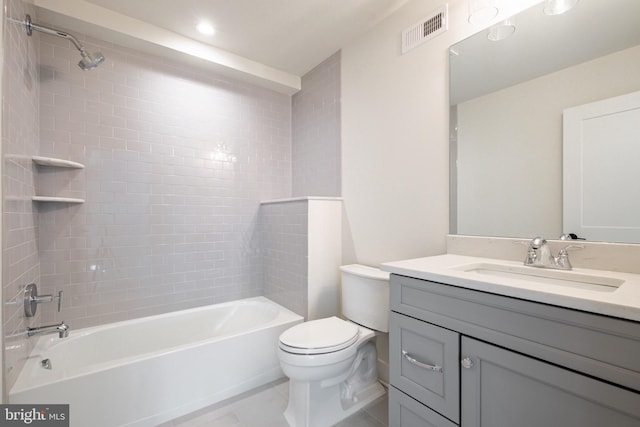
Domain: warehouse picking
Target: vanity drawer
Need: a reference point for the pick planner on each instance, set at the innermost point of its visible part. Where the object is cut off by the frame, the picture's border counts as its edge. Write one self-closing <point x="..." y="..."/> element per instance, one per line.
<point x="425" y="363"/>
<point x="407" y="412"/>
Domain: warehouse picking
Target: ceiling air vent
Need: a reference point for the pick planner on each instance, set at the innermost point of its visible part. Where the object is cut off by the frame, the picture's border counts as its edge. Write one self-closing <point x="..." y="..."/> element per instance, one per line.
<point x="429" y="27"/>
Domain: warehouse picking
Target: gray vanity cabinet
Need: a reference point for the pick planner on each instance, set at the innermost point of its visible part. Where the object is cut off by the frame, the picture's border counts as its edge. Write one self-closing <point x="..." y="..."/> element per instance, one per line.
<point x="474" y="359"/>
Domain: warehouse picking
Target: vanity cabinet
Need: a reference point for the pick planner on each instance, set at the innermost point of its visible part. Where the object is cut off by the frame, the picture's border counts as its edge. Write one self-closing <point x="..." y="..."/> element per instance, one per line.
<point x="476" y="359"/>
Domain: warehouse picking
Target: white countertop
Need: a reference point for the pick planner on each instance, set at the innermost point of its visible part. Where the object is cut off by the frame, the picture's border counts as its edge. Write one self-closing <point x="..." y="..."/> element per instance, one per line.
<point x="623" y="302"/>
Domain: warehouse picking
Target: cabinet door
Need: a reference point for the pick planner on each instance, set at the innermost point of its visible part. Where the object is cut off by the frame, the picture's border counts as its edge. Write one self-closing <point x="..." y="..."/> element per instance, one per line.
<point x="425" y="363"/>
<point x="407" y="412"/>
<point x="501" y="388"/>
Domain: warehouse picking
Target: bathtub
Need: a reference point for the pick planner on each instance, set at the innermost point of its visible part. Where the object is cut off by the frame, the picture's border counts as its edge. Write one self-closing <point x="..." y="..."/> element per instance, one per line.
<point x="147" y="371"/>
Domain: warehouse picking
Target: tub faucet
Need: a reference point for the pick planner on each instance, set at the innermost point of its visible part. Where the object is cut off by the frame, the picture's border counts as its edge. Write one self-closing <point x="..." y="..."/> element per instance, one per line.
<point x="539" y="255"/>
<point x="62" y="329"/>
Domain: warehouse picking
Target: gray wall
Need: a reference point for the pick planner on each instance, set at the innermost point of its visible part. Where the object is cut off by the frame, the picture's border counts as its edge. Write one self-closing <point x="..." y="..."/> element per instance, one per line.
<point x="21" y="264"/>
<point x="285" y="260"/>
<point x="177" y="161"/>
<point x="316" y="132"/>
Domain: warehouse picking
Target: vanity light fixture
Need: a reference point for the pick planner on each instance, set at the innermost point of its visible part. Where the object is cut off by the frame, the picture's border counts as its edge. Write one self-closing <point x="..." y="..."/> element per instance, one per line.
<point x="205" y="28"/>
<point x="501" y="31"/>
<point x="482" y="11"/>
<point x="558" y="7"/>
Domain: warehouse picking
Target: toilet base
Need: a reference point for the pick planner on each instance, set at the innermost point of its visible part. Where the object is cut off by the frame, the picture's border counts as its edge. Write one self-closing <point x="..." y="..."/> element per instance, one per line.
<point x="313" y="406"/>
<point x="325" y="403"/>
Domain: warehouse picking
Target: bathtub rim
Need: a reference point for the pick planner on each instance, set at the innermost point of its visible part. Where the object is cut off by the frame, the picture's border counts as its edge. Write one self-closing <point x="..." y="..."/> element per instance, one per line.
<point x="38" y="353"/>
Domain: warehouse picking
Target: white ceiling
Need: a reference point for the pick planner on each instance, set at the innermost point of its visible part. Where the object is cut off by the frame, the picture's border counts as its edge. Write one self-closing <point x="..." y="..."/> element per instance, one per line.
<point x="288" y="35"/>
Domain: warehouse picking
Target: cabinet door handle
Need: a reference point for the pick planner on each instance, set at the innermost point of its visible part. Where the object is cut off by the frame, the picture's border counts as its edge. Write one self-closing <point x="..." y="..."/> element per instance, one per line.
<point x="436" y="368"/>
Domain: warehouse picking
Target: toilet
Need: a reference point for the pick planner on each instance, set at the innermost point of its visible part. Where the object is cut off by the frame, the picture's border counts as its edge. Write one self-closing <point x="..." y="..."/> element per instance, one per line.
<point x="331" y="362"/>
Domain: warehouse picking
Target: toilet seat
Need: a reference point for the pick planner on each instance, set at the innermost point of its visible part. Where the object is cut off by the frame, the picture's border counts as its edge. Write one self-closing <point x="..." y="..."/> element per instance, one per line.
<point x="319" y="336"/>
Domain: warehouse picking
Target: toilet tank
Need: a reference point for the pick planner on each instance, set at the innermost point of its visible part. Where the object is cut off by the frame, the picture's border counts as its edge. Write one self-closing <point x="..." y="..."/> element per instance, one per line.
<point x="365" y="296"/>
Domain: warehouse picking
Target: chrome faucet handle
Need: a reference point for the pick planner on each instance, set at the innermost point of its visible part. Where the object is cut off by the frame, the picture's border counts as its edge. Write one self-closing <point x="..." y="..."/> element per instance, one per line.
<point x="563" y="251"/>
<point x="572" y="247"/>
<point x="32" y="299"/>
<point x="59" y="300"/>
<point x="562" y="260"/>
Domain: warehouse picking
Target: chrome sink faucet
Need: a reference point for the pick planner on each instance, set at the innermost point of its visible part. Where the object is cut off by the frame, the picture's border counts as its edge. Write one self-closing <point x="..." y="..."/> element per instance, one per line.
<point x="62" y="330"/>
<point x="539" y="255"/>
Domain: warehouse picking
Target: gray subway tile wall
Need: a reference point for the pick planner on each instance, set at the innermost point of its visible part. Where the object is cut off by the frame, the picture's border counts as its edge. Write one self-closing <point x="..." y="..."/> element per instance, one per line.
<point x="285" y="242"/>
<point x="21" y="264"/>
<point x="176" y="163"/>
<point x="316" y="131"/>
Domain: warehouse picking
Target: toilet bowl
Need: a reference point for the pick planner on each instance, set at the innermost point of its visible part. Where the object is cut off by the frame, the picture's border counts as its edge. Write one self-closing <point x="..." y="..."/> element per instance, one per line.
<point x="331" y="362"/>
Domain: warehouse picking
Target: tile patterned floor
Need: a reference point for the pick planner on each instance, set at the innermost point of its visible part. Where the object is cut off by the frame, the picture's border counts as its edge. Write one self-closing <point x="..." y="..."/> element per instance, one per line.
<point x="264" y="407"/>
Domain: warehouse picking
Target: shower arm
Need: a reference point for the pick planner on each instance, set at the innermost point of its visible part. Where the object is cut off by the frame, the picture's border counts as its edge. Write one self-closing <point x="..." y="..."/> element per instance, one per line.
<point x="89" y="61"/>
<point x="31" y="26"/>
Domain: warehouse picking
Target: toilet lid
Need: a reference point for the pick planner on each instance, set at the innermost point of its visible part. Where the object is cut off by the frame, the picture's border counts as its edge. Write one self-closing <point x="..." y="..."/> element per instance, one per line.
<point x="319" y="336"/>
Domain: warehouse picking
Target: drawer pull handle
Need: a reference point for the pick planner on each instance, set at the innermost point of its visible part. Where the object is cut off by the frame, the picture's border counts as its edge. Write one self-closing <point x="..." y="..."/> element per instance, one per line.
<point x="435" y="368"/>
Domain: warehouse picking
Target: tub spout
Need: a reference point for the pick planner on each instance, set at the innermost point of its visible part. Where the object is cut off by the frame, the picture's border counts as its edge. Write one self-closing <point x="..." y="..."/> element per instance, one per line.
<point x="62" y="329"/>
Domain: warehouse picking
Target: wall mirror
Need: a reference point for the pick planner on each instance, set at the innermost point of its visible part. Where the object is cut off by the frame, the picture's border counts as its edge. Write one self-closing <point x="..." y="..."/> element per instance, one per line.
<point x="510" y="87"/>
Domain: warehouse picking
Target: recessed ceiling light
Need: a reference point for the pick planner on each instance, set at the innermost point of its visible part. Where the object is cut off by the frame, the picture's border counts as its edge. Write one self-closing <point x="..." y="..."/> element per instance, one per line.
<point x="482" y="11"/>
<point x="205" y="28"/>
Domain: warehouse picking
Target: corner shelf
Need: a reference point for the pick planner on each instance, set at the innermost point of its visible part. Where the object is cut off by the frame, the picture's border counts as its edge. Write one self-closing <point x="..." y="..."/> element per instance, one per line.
<point x="60" y="163"/>
<point x="50" y="161"/>
<point x="49" y="199"/>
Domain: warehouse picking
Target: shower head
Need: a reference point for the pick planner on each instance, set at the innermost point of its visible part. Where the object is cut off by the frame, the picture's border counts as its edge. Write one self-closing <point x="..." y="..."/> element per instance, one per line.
<point x="89" y="61"/>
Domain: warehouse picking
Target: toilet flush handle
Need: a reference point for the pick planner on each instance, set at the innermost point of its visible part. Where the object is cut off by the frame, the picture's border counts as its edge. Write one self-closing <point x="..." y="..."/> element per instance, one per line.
<point x="435" y="368"/>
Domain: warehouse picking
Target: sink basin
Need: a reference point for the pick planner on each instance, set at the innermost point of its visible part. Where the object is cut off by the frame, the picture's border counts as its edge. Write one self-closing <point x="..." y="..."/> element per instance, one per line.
<point x="570" y="279"/>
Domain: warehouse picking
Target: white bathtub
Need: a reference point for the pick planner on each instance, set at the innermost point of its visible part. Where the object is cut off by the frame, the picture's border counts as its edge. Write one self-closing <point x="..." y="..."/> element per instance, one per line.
<point x="147" y="371"/>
